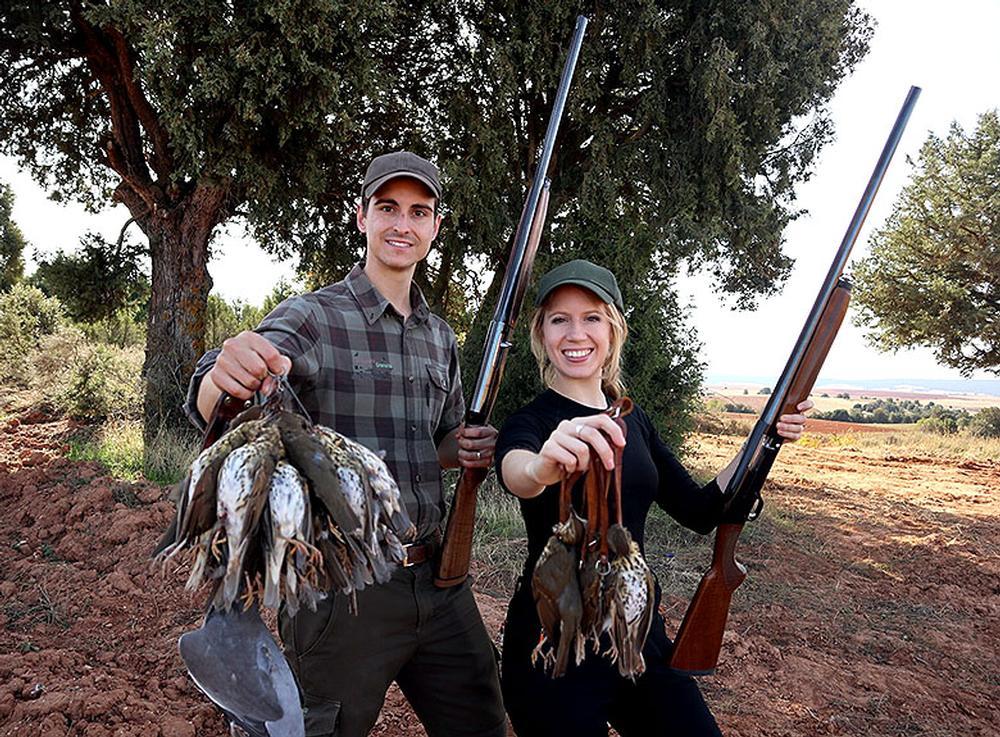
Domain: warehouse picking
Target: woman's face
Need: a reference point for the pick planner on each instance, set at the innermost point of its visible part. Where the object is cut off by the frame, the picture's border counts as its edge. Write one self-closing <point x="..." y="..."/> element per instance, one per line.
<point x="576" y="333"/>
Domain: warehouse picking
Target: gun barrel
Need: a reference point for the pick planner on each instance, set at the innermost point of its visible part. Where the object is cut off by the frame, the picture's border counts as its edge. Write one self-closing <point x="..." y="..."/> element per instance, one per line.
<point x="480" y="403"/>
<point x="778" y="397"/>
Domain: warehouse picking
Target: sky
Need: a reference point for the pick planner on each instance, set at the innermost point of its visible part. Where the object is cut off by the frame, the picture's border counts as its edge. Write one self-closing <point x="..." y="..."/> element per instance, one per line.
<point x="950" y="51"/>
<point x="947" y="49"/>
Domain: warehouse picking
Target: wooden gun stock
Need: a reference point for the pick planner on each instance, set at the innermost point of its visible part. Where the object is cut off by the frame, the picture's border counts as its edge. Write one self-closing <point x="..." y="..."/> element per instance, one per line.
<point x="699" y="640"/>
<point x="456" y="551"/>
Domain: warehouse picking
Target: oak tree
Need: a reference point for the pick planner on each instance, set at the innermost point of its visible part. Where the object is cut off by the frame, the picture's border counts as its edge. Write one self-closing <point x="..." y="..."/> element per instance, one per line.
<point x="189" y="114"/>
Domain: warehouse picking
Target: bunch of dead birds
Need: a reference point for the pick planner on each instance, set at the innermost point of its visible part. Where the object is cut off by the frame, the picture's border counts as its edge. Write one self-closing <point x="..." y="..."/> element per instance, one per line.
<point x="279" y="510"/>
<point x="591" y="584"/>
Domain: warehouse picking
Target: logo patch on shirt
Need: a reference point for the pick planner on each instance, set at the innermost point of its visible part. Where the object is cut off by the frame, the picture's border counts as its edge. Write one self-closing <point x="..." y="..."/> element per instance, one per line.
<point x="375" y="367"/>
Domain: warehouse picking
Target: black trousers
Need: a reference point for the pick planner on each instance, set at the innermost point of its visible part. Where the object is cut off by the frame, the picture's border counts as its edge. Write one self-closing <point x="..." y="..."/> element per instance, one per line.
<point x="589" y="697"/>
<point x="431" y="641"/>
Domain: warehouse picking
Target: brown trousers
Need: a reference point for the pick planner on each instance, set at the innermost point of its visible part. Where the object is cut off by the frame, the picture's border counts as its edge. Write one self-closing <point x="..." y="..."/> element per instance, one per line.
<point x="431" y="641"/>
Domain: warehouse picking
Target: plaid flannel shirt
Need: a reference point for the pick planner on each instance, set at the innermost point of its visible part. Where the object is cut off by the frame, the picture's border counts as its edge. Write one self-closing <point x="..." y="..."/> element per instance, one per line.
<point x="359" y="368"/>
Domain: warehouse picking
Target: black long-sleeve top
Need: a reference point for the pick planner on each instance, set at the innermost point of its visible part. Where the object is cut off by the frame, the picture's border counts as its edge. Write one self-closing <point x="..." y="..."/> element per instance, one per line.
<point x="650" y="473"/>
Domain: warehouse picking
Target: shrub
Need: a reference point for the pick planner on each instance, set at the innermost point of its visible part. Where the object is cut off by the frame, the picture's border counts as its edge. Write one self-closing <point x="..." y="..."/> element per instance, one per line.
<point x="87" y="380"/>
<point x="26" y="316"/>
<point x="122" y="328"/>
<point x="985" y="423"/>
<point x="225" y="319"/>
<point x="942" y="425"/>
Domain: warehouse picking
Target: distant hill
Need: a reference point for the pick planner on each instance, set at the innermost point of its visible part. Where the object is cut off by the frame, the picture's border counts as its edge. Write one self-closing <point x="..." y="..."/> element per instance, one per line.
<point x="983" y="387"/>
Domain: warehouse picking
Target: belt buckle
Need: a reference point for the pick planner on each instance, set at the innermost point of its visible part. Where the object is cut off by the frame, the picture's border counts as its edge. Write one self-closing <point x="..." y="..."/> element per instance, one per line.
<point x="406" y="556"/>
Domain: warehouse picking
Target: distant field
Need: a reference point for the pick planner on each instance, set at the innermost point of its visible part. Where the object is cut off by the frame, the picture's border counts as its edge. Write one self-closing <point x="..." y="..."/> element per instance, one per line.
<point x="734" y="393"/>
<point x="832" y="426"/>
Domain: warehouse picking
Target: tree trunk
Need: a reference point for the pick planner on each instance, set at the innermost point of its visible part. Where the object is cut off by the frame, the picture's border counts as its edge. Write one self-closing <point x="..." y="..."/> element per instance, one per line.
<point x="178" y="243"/>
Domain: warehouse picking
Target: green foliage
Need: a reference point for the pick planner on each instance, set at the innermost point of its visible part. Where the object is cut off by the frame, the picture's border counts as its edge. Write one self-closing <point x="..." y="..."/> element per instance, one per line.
<point x="125" y="328"/>
<point x="897" y="411"/>
<point x="687" y="129"/>
<point x="87" y="380"/>
<point x="843" y="395"/>
<point x="939" y="425"/>
<point x="97" y="282"/>
<point x="255" y="101"/>
<point x="933" y="276"/>
<point x="26" y="316"/>
<point x="225" y="319"/>
<point x="718" y="405"/>
<point x="12" y="242"/>
<point x="985" y="423"/>
<point x="764" y="390"/>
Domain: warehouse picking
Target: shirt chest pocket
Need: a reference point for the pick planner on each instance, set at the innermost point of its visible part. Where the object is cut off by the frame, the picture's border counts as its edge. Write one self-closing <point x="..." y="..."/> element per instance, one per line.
<point x="436" y="386"/>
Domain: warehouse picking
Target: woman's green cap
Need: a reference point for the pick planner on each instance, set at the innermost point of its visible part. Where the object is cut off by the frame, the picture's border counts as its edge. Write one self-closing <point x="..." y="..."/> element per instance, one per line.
<point x="584" y="274"/>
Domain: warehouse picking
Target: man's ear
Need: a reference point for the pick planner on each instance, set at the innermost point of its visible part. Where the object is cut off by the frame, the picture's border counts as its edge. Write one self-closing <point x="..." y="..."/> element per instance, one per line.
<point x="361" y="219"/>
<point x="437" y="225"/>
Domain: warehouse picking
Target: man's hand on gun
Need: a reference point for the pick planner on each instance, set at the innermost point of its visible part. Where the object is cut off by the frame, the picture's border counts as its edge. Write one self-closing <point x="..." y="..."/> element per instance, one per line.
<point x="476" y="445"/>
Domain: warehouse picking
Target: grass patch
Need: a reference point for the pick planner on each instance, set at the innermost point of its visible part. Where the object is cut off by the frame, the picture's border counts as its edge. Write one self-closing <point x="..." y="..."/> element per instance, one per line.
<point x="116" y="445"/>
<point x="910" y="442"/>
<point x="499" y="543"/>
<point x="119" y="447"/>
<point x="49" y="553"/>
<point x="44" y="611"/>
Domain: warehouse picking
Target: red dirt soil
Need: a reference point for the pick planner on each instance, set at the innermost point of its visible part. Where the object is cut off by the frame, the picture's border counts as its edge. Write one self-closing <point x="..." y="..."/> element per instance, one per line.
<point x="872" y="608"/>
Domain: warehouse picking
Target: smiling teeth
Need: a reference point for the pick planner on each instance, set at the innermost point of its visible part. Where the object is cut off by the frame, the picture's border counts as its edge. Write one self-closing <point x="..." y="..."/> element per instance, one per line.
<point x="577" y="354"/>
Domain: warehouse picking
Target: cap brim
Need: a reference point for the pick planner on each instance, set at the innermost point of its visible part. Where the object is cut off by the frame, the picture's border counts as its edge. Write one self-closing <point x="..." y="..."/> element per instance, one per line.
<point x="373" y="187"/>
<point x="597" y="289"/>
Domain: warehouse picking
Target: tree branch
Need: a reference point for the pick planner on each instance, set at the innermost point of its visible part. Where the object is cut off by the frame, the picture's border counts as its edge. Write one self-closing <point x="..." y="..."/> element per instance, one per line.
<point x="162" y="159"/>
<point x="125" y="147"/>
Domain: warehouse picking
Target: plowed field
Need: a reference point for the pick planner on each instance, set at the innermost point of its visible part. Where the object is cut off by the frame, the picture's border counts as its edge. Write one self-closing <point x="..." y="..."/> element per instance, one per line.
<point x="872" y="607"/>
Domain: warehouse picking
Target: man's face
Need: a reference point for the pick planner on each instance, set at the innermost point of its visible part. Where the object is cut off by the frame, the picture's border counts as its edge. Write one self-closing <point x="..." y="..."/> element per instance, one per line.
<point x="399" y="224"/>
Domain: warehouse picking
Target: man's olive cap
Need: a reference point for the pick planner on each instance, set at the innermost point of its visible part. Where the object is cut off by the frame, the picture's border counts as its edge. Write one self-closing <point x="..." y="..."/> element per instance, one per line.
<point x="584" y="274"/>
<point x="400" y="164"/>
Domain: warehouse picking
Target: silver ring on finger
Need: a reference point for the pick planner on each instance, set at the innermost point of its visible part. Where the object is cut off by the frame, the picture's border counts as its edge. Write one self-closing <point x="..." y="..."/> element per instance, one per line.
<point x="479" y="455"/>
<point x="579" y="430"/>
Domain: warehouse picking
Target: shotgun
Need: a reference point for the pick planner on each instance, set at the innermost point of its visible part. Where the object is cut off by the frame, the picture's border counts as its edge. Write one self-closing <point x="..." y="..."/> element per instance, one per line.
<point x="699" y="639"/>
<point x="456" y="549"/>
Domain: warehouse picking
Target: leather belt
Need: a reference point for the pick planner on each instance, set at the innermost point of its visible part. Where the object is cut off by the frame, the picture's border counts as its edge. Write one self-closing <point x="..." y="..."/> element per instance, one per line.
<point x="418" y="552"/>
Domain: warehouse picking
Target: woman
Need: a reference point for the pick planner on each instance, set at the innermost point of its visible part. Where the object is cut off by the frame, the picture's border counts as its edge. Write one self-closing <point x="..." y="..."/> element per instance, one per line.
<point x="577" y="334"/>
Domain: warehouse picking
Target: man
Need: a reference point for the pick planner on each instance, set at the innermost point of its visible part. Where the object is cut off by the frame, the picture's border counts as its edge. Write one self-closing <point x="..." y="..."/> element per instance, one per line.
<point x="367" y="358"/>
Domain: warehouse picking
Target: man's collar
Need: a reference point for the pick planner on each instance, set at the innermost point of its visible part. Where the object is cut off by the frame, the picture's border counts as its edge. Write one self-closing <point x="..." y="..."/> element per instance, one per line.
<point x="373" y="304"/>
